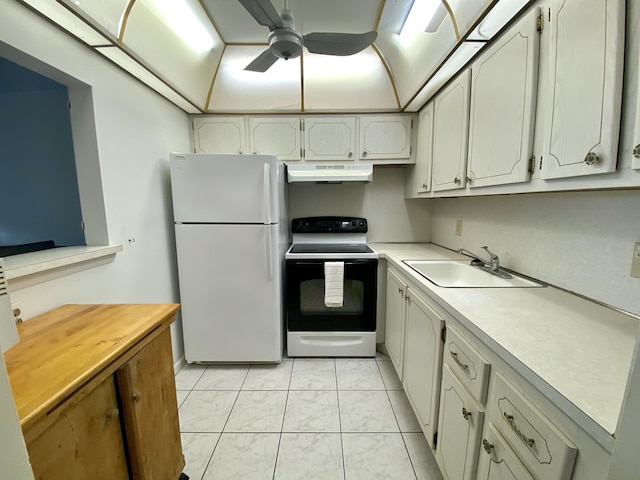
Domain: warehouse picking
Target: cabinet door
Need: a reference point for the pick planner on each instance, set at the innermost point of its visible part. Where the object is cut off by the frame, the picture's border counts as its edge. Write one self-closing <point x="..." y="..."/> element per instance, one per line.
<point x="385" y="137"/>
<point x="276" y="136"/>
<point x="394" y="320"/>
<point x="85" y="442"/>
<point x="150" y="411"/>
<point x="422" y="362"/>
<point x="330" y="138"/>
<point x="424" y="155"/>
<point x="497" y="461"/>
<point x="635" y="161"/>
<point x="450" y="135"/>
<point x="459" y="429"/>
<point x="503" y="100"/>
<point x="219" y="135"/>
<point x="585" y="82"/>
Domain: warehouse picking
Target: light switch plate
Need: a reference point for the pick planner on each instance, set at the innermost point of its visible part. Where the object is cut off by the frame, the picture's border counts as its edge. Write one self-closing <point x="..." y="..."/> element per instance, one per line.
<point x="458" y="227"/>
<point x="635" y="262"/>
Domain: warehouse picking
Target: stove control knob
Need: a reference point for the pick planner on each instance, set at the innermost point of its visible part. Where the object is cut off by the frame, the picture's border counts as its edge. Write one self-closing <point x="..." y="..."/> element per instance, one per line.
<point x="362" y="224"/>
<point x="354" y="223"/>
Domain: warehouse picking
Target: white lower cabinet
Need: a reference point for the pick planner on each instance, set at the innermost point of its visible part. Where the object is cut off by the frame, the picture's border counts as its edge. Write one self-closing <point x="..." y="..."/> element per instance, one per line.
<point x="498" y="462"/>
<point x="422" y="362"/>
<point x="394" y="325"/>
<point x="459" y="428"/>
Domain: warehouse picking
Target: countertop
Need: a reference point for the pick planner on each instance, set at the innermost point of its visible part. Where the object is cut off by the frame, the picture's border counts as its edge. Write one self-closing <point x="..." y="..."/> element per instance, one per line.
<point x="62" y="350"/>
<point x="576" y="352"/>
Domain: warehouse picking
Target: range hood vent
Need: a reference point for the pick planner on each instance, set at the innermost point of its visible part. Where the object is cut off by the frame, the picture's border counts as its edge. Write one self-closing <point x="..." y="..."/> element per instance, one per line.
<point x="330" y="173"/>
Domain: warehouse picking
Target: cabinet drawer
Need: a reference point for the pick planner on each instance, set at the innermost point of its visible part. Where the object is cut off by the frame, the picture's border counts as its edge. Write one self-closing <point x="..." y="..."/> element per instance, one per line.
<point x="467" y="364"/>
<point x="540" y="445"/>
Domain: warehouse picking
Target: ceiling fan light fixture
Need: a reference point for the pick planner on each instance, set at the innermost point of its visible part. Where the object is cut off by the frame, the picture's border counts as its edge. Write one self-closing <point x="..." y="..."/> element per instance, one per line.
<point x="285" y="43"/>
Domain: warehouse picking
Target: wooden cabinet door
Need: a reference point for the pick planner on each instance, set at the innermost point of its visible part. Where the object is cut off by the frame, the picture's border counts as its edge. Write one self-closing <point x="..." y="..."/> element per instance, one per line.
<point x="330" y="138"/>
<point x="150" y="412"/>
<point x="279" y="136"/>
<point x="459" y="428"/>
<point x="585" y="81"/>
<point x="394" y="320"/>
<point x="503" y="101"/>
<point x="422" y="362"/>
<point x="385" y="137"/>
<point x="450" y="135"/>
<point x="497" y="461"/>
<point x="84" y="442"/>
<point x="219" y="135"/>
<point x="424" y="155"/>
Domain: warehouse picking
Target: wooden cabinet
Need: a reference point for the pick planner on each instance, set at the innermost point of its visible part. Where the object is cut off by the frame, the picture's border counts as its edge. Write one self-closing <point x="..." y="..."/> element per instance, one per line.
<point x="84" y="442"/>
<point x="95" y="393"/>
<point x="582" y="111"/>
<point x="423" y="362"/>
<point x="330" y="138"/>
<point x="219" y="135"/>
<point x="394" y="324"/>
<point x="147" y="393"/>
<point x="460" y="423"/>
<point x="450" y="134"/>
<point x="419" y="176"/>
<point x="279" y="136"/>
<point x="503" y="101"/>
<point x="385" y="137"/>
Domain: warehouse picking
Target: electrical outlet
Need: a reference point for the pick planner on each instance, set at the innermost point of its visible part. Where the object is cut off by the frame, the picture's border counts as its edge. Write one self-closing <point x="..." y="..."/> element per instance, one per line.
<point x="458" y="227"/>
<point x="635" y="261"/>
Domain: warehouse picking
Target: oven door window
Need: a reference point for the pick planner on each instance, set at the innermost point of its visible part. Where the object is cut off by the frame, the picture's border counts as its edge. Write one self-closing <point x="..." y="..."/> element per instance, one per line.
<point x="306" y="309"/>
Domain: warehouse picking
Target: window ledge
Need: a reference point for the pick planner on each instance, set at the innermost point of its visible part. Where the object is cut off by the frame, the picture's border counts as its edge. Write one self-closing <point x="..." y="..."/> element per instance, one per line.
<point x="32" y="268"/>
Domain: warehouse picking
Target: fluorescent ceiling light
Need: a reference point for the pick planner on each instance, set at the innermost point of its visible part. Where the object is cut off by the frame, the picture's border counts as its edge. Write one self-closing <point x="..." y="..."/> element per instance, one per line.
<point x="497" y="18"/>
<point x="420" y="16"/>
<point x="179" y="16"/>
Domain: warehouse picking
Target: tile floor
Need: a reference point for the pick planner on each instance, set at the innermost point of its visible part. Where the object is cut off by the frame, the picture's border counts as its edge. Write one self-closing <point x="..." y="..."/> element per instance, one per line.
<point x="302" y="419"/>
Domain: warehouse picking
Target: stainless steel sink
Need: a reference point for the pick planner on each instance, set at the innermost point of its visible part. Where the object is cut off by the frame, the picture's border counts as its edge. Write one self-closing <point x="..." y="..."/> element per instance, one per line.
<point x="460" y="274"/>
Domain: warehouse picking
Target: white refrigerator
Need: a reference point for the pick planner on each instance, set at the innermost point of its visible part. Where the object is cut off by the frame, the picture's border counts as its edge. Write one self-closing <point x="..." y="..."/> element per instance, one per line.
<point x="231" y="235"/>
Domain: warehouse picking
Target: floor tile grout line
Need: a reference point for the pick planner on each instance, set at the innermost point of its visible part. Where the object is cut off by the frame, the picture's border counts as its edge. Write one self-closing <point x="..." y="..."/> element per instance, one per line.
<point x="344" y="466"/>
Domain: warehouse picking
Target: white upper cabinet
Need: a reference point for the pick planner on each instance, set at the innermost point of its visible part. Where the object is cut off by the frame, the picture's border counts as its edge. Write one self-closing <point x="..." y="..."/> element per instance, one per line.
<point x="450" y="134"/>
<point x="585" y="81"/>
<point x="385" y="137"/>
<point x="275" y="136"/>
<point x="330" y="138"/>
<point x="503" y="101"/>
<point x="219" y="135"/>
<point x="419" y="179"/>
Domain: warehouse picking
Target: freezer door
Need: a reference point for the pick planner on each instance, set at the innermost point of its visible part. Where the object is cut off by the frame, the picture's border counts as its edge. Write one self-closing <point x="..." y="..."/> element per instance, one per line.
<point x="230" y="290"/>
<point x="225" y="188"/>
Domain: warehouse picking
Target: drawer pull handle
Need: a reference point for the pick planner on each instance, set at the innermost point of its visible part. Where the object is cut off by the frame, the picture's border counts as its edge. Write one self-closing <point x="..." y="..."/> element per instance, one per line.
<point x="466" y="413"/>
<point x="463" y="366"/>
<point x="509" y="418"/>
<point x="487" y="446"/>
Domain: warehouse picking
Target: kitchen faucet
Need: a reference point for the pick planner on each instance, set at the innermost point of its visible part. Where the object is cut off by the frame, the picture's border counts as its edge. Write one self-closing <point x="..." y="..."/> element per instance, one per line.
<point x="491" y="266"/>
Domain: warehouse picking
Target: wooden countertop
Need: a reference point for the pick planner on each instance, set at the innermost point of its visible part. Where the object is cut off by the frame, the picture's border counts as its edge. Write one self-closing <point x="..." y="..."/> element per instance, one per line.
<point x="62" y="350"/>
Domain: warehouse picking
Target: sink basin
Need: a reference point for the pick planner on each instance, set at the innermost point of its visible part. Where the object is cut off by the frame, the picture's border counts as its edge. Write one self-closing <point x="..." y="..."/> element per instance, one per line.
<point x="456" y="274"/>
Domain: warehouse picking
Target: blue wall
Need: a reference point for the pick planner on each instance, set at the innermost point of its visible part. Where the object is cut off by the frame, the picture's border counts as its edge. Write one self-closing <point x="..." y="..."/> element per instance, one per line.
<point x="38" y="181"/>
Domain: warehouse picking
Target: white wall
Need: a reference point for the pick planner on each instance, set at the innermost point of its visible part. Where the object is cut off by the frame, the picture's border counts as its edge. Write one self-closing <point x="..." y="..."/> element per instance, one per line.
<point x="391" y="218"/>
<point x="136" y="130"/>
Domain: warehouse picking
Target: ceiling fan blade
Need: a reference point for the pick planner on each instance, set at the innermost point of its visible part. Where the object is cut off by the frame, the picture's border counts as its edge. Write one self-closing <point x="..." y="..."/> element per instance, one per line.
<point x="262" y="62"/>
<point x="338" y="43"/>
<point x="264" y="12"/>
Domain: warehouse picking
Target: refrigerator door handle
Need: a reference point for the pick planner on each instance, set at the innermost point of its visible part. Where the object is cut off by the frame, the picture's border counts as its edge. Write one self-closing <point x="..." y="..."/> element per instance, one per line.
<point x="267" y="253"/>
<point x="266" y="191"/>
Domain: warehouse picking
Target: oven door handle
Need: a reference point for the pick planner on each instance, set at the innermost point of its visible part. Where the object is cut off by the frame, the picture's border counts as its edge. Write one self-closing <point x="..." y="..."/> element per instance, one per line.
<point x="267" y="252"/>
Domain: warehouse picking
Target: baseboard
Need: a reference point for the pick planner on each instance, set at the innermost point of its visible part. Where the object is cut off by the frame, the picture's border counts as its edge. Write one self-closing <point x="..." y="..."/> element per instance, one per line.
<point x="179" y="365"/>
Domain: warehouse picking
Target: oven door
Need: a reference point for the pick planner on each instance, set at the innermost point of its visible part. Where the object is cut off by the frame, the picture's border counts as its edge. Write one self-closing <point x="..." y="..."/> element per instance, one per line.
<point x="306" y="309"/>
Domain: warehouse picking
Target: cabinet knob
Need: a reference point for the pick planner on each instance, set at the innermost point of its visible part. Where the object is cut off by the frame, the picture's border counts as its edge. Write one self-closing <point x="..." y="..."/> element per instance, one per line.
<point x="424" y="185"/>
<point x="255" y="153"/>
<point x="407" y="298"/>
<point x="113" y="414"/>
<point x="136" y="397"/>
<point x="364" y="154"/>
<point x="468" y="179"/>
<point x="240" y="152"/>
<point x="487" y="446"/>
<point x="456" y="180"/>
<point x="400" y="291"/>
<point x="636" y="151"/>
<point x="591" y="159"/>
<point x="350" y="154"/>
<point x="466" y="413"/>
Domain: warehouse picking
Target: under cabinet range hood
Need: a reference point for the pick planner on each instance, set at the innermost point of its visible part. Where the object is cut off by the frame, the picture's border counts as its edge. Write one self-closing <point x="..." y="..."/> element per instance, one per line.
<point x="330" y="173"/>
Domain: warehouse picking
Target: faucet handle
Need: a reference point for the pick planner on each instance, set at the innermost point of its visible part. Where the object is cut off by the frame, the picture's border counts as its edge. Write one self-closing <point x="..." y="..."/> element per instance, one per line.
<point x="491" y="254"/>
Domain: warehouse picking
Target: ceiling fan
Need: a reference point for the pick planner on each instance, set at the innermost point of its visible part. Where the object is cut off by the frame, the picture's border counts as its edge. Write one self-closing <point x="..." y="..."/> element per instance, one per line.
<point x="285" y="42"/>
